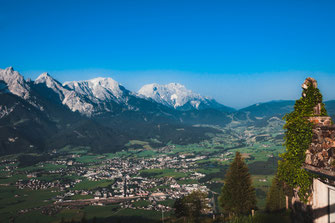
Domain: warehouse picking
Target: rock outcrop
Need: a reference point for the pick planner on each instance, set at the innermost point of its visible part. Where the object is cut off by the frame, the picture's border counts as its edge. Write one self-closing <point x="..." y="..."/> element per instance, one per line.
<point x="15" y="82"/>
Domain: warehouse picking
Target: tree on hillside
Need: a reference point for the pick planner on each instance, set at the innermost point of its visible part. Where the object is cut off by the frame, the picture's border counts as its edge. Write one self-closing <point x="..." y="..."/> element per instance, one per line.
<point x="298" y="137"/>
<point x="238" y="196"/>
<point x="191" y="206"/>
<point x="180" y="208"/>
<point x="83" y="219"/>
<point x="275" y="200"/>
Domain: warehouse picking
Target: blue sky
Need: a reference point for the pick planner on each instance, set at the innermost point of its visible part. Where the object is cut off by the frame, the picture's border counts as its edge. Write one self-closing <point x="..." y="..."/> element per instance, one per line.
<point x="239" y="52"/>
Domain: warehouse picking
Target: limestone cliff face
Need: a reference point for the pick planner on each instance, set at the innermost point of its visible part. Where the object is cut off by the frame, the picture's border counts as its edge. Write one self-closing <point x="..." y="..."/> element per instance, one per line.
<point x="15" y="82"/>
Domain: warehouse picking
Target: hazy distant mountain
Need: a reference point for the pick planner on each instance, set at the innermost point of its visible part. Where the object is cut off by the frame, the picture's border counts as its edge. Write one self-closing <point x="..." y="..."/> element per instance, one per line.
<point x="274" y="108"/>
<point x="259" y="114"/>
<point x="179" y="97"/>
<point x="266" y="109"/>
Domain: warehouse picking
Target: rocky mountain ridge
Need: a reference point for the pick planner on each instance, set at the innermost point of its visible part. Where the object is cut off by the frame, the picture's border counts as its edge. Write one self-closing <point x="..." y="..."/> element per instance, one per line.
<point x="99" y="95"/>
<point x="103" y="115"/>
<point x="99" y="113"/>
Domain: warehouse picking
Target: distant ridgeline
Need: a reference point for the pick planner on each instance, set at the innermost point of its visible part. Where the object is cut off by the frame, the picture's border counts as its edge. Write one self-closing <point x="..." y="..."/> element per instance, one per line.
<point x="103" y="115"/>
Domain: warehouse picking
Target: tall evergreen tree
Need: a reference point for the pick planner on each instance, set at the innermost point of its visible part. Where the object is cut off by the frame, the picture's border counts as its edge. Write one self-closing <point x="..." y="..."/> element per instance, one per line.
<point x="83" y="219"/>
<point x="275" y="200"/>
<point x="238" y="196"/>
<point x="180" y="208"/>
<point x="191" y="206"/>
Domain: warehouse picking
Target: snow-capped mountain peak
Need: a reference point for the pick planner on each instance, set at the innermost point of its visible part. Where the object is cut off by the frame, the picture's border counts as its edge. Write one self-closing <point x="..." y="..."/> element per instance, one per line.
<point x="108" y="84"/>
<point x="173" y="95"/>
<point x="43" y="77"/>
<point x="99" y="88"/>
<point x="47" y="79"/>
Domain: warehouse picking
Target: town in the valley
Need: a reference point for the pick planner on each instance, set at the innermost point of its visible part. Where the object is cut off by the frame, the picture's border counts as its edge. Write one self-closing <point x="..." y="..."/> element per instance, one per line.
<point x="125" y="180"/>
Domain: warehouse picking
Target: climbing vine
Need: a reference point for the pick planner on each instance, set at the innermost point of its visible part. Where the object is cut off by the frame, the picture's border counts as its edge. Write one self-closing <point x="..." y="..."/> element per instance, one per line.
<point x="298" y="137"/>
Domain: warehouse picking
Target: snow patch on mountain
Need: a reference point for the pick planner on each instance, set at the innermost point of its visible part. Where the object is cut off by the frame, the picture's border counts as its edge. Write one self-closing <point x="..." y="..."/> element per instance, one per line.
<point x="4" y="110"/>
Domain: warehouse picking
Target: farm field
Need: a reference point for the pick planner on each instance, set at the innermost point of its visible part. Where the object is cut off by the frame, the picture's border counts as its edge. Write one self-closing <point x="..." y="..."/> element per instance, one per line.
<point x="75" y="173"/>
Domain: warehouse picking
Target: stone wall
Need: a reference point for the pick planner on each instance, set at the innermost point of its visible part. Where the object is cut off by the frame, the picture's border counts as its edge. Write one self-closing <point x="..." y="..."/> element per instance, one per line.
<point x="321" y="153"/>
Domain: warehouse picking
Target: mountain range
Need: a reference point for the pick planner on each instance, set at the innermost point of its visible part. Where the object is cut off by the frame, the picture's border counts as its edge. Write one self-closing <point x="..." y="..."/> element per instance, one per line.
<point x="100" y="113"/>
